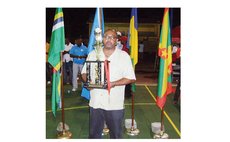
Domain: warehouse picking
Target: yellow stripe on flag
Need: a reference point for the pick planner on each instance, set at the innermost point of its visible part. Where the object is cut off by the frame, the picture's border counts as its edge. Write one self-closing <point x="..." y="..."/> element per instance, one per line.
<point x="133" y="40"/>
<point x="58" y="15"/>
<point x="58" y="66"/>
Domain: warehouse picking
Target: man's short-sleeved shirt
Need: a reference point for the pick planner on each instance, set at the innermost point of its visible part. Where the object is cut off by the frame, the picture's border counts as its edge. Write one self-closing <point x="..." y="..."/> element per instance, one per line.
<point x="120" y="66"/>
<point x="79" y="51"/>
<point x="66" y="57"/>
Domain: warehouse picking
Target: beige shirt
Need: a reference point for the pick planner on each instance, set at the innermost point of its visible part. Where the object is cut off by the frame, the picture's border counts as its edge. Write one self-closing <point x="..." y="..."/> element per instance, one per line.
<point x="120" y="67"/>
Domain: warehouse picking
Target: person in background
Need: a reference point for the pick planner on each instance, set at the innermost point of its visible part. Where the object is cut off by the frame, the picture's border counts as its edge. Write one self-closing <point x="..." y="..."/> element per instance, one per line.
<point x="104" y="106"/>
<point x="141" y="50"/>
<point x="67" y="63"/>
<point x="79" y="53"/>
<point x="119" y="45"/>
<point x="124" y="44"/>
<point x="48" y="66"/>
<point x="176" y="71"/>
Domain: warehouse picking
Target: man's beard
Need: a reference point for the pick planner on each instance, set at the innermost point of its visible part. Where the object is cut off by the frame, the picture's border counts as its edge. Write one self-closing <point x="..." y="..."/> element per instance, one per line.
<point x="109" y="45"/>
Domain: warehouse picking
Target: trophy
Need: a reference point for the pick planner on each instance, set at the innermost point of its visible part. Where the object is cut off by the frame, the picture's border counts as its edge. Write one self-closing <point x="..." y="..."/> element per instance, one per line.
<point x="96" y="70"/>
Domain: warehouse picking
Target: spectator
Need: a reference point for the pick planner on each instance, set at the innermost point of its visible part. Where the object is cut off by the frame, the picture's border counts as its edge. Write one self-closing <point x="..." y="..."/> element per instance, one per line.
<point x="79" y="53"/>
<point x="67" y="63"/>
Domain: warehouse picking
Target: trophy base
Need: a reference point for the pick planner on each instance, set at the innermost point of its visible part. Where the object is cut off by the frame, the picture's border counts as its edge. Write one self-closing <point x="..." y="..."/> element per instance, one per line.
<point x="161" y="135"/>
<point x="64" y="135"/>
<point x="95" y="86"/>
<point x="105" y="131"/>
<point x="132" y="131"/>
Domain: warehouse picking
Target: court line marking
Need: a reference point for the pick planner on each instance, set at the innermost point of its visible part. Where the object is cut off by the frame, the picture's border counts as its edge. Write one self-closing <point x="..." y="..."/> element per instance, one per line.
<point x="81" y="107"/>
<point x="169" y="119"/>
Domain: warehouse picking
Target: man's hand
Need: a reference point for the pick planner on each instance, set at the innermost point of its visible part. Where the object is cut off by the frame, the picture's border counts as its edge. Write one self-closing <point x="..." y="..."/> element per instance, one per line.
<point x="112" y="84"/>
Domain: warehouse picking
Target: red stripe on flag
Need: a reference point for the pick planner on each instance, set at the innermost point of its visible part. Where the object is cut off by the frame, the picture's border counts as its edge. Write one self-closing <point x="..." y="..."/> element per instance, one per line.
<point x="161" y="101"/>
<point x="169" y="89"/>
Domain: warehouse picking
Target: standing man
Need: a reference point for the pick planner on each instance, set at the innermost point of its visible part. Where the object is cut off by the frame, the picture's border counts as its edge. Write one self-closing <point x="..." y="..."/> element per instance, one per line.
<point x="104" y="106"/>
<point x="79" y="54"/>
<point x="68" y="63"/>
<point x="48" y="66"/>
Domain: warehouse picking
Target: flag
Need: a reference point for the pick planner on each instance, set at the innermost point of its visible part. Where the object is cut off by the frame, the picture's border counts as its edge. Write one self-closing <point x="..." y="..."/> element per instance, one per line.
<point x="98" y="22"/>
<point x="133" y="36"/>
<point x="56" y="91"/>
<point x="133" y="40"/>
<point x="165" y="54"/>
<point x="57" y="45"/>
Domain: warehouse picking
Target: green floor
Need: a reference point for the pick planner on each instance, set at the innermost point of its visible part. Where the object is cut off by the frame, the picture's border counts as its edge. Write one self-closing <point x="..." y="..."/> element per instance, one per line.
<point x="145" y="113"/>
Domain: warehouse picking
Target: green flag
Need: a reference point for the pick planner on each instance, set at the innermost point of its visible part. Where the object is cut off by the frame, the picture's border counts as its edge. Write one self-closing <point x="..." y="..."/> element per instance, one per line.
<point x="56" y="91"/>
<point x="57" y="44"/>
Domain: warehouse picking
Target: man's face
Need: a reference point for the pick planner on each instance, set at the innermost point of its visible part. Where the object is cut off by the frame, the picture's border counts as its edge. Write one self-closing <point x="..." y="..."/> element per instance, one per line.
<point x="110" y="39"/>
<point x="78" y="41"/>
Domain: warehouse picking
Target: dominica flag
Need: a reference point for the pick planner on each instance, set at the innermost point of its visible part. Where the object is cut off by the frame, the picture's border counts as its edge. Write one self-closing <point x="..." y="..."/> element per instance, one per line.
<point x="165" y="54"/>
<point x="56" y="91"/>
<point x="57" y="44"/>
<point x="98" y="22"/>
<point x="133" y="40"/>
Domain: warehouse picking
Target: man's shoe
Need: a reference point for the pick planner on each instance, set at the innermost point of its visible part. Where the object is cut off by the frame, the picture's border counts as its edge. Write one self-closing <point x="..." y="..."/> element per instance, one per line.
<point x="74" y="90"/>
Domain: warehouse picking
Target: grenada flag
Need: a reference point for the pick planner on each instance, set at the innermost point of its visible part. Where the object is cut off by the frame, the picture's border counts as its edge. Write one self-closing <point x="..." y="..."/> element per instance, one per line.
<point x="165" y="54"/>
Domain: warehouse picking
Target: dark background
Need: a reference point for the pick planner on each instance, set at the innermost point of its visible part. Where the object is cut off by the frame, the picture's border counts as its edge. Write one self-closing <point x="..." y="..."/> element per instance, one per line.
<point x="76" y="19"/>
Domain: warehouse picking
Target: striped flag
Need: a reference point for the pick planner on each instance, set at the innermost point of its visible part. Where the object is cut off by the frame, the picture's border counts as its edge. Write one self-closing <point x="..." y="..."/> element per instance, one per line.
<point x="56" y="91"/>
<point x="57" y="45"/>
<point x="98" y="22"/>
<point x="133" y="40"/>
<point x="165" y="54"/>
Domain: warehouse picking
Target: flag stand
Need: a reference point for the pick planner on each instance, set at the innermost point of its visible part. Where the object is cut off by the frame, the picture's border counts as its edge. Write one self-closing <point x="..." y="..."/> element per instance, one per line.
<point x="161" y="134"/>
<point x="132" y="131"/>
<point x="105" y="130"/>
<point x="64" y="134"/>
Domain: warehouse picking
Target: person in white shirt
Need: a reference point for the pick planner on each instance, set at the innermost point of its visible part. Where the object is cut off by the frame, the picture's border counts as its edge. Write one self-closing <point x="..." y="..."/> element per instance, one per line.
<point x="119" y="45"/>
<point x="67" y="63"/>
<point x="104" y="106"/>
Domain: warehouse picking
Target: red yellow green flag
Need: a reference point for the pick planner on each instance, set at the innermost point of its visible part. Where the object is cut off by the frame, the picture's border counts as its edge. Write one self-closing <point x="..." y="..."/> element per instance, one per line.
<point x="165" y="54"/>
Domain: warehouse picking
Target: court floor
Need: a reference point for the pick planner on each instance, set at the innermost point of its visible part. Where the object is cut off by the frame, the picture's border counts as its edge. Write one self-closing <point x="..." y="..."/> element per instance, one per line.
<point x="145" y="113"/>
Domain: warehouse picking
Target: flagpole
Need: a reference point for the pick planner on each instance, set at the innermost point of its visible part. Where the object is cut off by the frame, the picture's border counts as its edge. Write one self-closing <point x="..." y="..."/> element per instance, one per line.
<point x="132" y="110"/>
<point x="162" y="119"/>
<point x="164" y="87"/>
<point x="62" y="96"/>
<point x="65" y="134"/>
<point x="132" y="131"/>
<point x="161" y="134"/>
